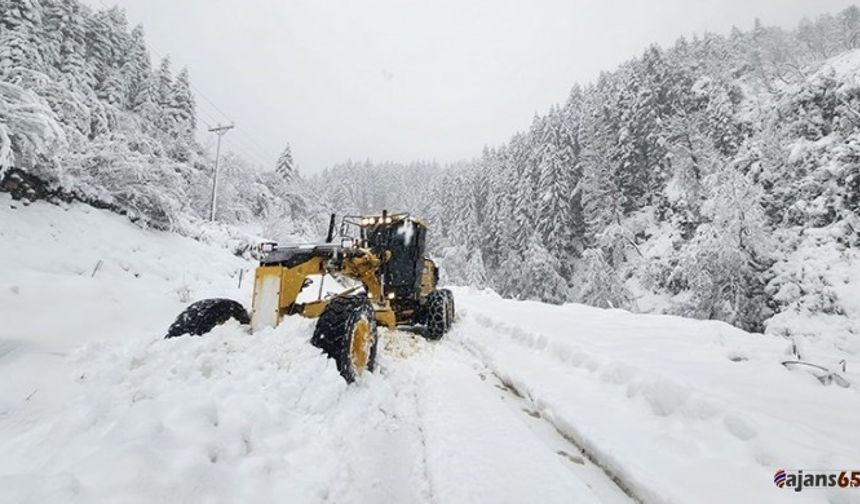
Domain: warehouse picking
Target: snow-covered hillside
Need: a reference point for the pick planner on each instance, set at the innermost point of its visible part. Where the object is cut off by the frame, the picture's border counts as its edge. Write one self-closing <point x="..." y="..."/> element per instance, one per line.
<point x="76" y="274"/>
<point x="522" y="402"/>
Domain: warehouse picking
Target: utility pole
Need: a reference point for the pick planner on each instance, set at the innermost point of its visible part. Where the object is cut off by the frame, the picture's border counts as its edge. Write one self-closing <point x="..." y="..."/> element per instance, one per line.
<point x="220" y="131"/>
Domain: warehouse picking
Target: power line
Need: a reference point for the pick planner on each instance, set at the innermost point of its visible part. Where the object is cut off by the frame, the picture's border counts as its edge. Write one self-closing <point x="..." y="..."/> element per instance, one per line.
<point x="212" y="120"/>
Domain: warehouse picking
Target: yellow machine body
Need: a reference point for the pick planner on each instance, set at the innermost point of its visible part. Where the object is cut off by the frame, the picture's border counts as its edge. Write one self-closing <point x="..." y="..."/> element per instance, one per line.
<point x="285" y="272"/>
<point x="277" y="288"/>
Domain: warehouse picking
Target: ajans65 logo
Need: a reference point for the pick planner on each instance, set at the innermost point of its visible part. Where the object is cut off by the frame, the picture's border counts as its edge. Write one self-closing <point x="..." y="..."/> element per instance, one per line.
<point x="798" y="480"/>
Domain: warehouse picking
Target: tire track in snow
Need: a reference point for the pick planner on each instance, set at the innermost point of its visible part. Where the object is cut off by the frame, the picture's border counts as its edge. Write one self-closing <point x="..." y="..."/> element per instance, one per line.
<point x="593" y="458"/>
<point x="546" y="418"/>
<point x="477" y="437"/>
<point x="397" y="346"/>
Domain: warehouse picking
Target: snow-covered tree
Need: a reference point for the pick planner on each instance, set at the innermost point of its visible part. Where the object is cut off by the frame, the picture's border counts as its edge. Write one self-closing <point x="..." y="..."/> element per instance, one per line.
<point x="286" y="167"/>
<point x="539" y="277"/>
<point x="182" y="107"/>
<point x="475" y="274"/>
<point x="598" y="283"/>
<point x="725" y="261"/>
<point x="28" y="127"/>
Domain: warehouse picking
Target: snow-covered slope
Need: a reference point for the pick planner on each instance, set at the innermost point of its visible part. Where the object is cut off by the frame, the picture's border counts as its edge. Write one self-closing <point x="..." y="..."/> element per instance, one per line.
<point x="523" y="402"/>
<point x="76" y="274"/>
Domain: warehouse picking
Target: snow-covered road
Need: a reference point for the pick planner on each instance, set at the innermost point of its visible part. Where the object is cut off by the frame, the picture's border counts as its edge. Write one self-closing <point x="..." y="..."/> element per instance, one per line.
<point x="233" y="417"/>
<point x="521" y="402"/>
<point x="483" y="442"/>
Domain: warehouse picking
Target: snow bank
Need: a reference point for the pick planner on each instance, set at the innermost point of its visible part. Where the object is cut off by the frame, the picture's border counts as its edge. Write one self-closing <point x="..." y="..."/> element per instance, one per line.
<point x="73" y="274"/>
<point x="130" y="417"/>
<point x="226" y="418"/>
<point x="681" y="410"/>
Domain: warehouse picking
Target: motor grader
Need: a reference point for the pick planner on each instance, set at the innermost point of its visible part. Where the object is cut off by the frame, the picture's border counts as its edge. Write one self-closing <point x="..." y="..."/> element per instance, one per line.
<point x="394" y="284"/>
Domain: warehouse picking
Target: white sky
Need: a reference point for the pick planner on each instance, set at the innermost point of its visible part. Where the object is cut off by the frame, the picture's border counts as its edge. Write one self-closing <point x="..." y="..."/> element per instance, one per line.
<point x="403" y="80"/>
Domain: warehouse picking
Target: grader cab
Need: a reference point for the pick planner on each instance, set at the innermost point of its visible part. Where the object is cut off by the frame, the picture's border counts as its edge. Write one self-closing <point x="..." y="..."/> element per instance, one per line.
<point x="379" y="263"/>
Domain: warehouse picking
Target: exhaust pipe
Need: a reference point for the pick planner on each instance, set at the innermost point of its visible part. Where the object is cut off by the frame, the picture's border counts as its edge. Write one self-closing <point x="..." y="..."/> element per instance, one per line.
<point x="330" y="237"/>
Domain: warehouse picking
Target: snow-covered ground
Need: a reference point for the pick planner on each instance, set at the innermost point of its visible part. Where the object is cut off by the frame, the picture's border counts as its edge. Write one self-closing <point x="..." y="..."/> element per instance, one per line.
<point x="522" y="402"/>
<point x="680" y="410"/>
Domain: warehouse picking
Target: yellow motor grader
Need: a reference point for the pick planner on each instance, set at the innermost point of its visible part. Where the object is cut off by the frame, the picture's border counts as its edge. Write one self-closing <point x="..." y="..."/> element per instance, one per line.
<point x="394" y="285"/>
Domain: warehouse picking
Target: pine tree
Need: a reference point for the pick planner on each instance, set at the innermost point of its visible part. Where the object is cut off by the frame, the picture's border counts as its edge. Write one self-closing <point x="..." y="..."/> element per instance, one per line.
<point x="475" y="275"/>
<point x="464" y="211"/>
<point x="20" y="37"/>
<point x="163" y="118"/>
<point x="164" y="84"/>
<point x="523" y="197"/>
<point x="554" y="197"/>
<point x="183" y="107"/>
<point x="137" y="72"/>
<point x="602" y="200"/>
<point x="496" y="224"/>
<point x="539" y="276"/>
<point x="598" y="283"/>
<point x="65" y="22"/>
<point x="285" y="167"/>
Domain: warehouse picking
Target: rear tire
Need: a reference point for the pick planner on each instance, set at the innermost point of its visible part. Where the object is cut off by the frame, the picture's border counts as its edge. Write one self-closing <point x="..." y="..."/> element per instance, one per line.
<point x="203" y="316"/>
<point x="346" y="332"/>
<point x="436" y="316"/>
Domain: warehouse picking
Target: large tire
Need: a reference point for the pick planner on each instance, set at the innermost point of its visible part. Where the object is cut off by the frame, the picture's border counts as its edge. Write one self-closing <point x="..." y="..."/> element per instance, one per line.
<point x="202" y="316"/>
<point x="346" y="332"/>
<point x="436" y="316"/>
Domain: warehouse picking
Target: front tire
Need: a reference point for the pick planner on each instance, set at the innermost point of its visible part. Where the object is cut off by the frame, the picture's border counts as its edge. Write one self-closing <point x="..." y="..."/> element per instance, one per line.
<point x="203" y="316"/>
<point x="346" y="332"/>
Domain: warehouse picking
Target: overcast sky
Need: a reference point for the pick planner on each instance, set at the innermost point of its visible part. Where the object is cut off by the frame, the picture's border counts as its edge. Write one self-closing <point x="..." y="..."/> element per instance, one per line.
<point x="403" y="80"/>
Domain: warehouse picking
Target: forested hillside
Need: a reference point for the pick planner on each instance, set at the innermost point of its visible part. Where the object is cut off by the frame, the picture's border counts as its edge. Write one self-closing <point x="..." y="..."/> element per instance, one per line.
<point x="84" y="108"/>
<point x="718" y="178"/>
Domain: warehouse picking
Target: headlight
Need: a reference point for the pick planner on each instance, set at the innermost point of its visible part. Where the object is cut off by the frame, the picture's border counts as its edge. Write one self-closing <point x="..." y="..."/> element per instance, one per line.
<point x="390" y="295"/>
<point x="266" y="247"/>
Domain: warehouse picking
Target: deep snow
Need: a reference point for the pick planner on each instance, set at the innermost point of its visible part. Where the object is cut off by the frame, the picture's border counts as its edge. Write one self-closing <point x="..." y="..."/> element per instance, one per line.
<point x="681" y="410"/>
<point x="95" y="406"/>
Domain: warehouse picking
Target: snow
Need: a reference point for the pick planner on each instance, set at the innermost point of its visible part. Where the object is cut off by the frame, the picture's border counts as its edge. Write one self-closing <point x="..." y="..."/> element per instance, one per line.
<point x="844" y="67"/>
<point x="818" y="285"/>
<point x="521" y="402"/>
<point x="95" y="406"/>
<point x="666" y="402"/>
<point x="406" y="231"/>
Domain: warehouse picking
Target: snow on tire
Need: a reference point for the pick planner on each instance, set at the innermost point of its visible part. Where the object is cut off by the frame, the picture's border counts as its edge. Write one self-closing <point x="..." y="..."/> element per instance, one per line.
<point x="203" y="316"/>
<point x="346" y="332"/>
